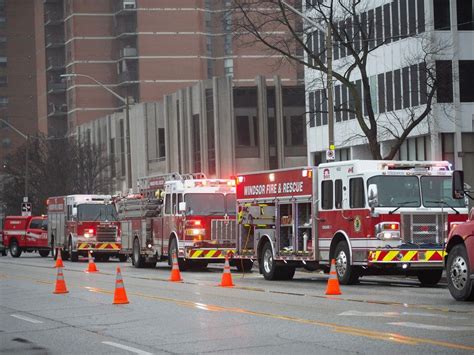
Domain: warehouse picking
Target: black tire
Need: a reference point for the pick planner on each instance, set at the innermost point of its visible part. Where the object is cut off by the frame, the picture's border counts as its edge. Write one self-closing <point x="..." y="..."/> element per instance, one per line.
<point x="244" y="265"/>
<point x="460" y="285"/>
<point x="122" y="258"/>
<point x="43" y="253"/>
<point x="347" y="274"/>
<point x="15" y="249"/>
<point x="4" y="252"/>
<point x="137" y="260"/>
<point x="270" y="270"/>
<point x="287" y="273"/>
<point x="183" y="264"/>
<point x="429" y="277"/>
<point x="74" y="256"/>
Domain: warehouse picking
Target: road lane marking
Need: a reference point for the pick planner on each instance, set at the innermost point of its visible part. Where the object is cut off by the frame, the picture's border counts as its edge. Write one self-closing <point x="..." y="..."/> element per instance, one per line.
<point x="352" y="313"/>
<point x="385" y="336"/>
<point x="31" y="320"/>
<point x="125" y="347"/>
<point x="432" y="327"/>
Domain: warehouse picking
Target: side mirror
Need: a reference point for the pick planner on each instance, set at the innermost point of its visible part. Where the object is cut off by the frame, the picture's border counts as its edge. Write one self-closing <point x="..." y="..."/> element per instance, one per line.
<point x="458" y="184"/>
<point x="373" y="195"/>
<point x="182" y="207"/>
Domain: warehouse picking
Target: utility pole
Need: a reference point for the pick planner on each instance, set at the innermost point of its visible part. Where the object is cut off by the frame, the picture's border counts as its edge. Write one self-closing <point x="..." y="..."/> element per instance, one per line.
<point x="328" y="32"/>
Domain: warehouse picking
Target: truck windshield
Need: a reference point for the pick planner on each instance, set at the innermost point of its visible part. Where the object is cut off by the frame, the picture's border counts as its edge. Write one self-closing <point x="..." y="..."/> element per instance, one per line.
<point x="436" y="192"/>
<point x="396" y="191"/>
<point x="96" y="212"/>
<point x="211" y="204"/>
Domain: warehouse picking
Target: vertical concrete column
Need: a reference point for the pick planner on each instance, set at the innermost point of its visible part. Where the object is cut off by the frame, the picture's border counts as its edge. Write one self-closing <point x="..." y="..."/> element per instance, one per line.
<point x="279" y="117"/>
<point x="223" y="127"/>
<point x="264" y="148"/>
<point x="217" y="126"/>
<point x="189" y="128"/>
<point x="168" y="134"/>
<point x="203" y="125"/>
<point x="181" y="121"/>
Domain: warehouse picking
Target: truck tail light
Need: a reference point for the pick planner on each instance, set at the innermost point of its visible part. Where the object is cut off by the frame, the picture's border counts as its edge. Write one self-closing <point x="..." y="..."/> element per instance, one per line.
<point x="387" y="230"/>
<point x="89" y="233"/>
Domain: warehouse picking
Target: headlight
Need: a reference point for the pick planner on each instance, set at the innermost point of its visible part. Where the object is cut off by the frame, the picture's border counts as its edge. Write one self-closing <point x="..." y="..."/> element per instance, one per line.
<point x="87" y="235"/>
<point x="387" y="230"/>
<point x="195" y="231"/>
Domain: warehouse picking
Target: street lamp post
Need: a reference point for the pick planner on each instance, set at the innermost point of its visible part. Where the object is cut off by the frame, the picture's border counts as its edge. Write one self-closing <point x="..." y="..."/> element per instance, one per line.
<point x="27" y="138"/>
<point x="328" y="32"/>
<point x="127" y="119"/>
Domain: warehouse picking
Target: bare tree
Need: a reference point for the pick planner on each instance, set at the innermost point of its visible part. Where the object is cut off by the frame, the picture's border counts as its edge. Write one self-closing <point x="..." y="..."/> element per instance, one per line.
<point x="56" y="167"/>
<point x="353" y="37"/>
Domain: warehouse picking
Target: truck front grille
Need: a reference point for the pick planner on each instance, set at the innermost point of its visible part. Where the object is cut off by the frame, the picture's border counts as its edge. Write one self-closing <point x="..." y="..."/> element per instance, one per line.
<point x="106" y="234"/>
<point x="419" y="228"/>
<point x="223" y="230"/>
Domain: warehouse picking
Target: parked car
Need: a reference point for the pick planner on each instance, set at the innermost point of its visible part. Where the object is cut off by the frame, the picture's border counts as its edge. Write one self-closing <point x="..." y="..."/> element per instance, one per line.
<point x="460" y="249"/>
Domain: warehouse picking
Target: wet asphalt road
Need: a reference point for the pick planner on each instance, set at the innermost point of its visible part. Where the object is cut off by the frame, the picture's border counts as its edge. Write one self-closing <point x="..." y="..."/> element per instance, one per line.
<point x="381" y="314"/>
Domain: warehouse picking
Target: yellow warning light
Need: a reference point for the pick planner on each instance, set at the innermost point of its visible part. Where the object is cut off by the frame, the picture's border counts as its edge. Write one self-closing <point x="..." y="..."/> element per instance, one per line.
<point x="332" y="147"/>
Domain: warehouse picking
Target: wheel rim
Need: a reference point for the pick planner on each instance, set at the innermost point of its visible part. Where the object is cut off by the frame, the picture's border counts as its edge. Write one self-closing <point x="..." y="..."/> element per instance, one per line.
<point x="268" y="261"/>
<point x="341" y="263"/>
<point x="14" y="249"/>
<point x="458" y="273"/>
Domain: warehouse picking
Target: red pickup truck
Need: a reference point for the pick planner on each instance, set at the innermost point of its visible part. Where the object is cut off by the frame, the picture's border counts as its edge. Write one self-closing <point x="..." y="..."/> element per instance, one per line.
<point x="26" y="234"/>
<point x="460" y="249"/>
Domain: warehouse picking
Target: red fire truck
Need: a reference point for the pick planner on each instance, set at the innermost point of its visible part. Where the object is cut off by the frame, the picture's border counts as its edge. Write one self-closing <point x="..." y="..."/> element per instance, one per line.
<point x="82" y="223"/>
<point x="26" y="234"/>
<point x="460" y="249"/>
<point x="186" y="214"/>
<point x="373" y="217"/>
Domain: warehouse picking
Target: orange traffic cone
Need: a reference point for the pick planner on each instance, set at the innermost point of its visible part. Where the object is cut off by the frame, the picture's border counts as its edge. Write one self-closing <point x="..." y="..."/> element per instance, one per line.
<point x="175" y="274"/>
<point x="120" y="296"/>
<point x="59" y="259"/>
<point x="60" y="283"/>
<point x="91" y="267"/>
<point x="333" y="282"/>
<point x="226" y="275"/>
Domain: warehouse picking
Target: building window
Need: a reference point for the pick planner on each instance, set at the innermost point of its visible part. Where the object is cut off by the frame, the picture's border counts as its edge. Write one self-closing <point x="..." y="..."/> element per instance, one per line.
<point x="395" y="22"/>
<point x="466" y="80"/>
<point x="398" y="89"/>
<point x="327" y="195"/>
<point x="447" y="147"/>
<point x="389" y="84"/>
<point x="414" y="85"/>
<point x="465" y="11"/>
<point x="442" y="15"/>
<point x="423" y="84"/>
<point x="3" y="101"/>
<point x="317" y="103"/>
<point x="406" y="87"/>
<point x="411" y="17"/>
<point x="403" y="18"/>
<point x="311" y="109"/>
<point x="122" y="148"/>
<point x="386" y="23"/>
<point x="379" y="25"/>
<point x="344" y="102"/>
<point x="381" y="90"/>
<point x="297" y="131"/>
<point x="444" y="77"/>
<point x="356" y="193"/>
<point x="337" y="95"/>
<point x="421" y="15"/>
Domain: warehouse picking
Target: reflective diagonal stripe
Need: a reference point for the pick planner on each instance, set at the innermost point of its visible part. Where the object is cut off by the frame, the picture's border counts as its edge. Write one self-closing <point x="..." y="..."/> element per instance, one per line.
<point x="409" y="256"/>
<point x="391" y="255"/>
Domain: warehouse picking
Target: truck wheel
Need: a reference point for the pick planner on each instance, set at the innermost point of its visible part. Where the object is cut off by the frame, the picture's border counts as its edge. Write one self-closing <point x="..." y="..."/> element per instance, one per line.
<point x="287" y="273"/>
<point x="15" y="249"/>
<point x="183" y="265"/>
<point x="346" y="273"/>
<point x="4" y="251"/>
<point x="137" y="260"/>
<point x="270" y="270"/>
<point x="122" y="258"/>
<point x="244" y="265"/>
<point x="73" y="254"/>
<point x="43" y="253"/>
<point x="460" y="285"/>
<point x="429" y="277"/>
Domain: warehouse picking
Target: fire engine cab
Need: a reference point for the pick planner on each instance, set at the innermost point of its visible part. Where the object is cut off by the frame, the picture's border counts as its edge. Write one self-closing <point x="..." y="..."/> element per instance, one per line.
<point x="82" y="223"/>
<point x="373" y="217"/>
<point x="189" y="215"/>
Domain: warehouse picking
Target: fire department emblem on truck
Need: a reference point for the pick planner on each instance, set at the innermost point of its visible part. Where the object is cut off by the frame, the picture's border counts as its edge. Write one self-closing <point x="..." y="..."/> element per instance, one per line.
<point x="357" y="224"/>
